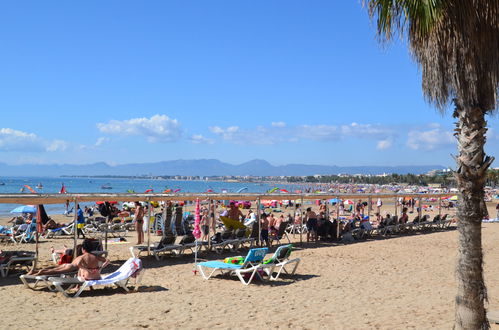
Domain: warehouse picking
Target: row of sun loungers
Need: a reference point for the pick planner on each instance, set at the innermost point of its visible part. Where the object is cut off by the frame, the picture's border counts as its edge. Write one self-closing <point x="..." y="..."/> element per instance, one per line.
<point x="393" y="227"/>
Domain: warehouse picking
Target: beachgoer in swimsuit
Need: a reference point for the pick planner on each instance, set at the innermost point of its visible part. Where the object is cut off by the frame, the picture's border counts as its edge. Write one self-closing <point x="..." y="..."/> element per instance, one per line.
<point x="139" y="222"/>
<point x="234" y="212"/>
<point x="264" y="233"/>
<point x="88" y="265"/>
<point x="311" y="225"/>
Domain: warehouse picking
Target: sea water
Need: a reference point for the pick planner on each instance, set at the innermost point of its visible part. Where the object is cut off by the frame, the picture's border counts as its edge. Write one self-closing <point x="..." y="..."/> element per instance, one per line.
<point x="53" y="185"/>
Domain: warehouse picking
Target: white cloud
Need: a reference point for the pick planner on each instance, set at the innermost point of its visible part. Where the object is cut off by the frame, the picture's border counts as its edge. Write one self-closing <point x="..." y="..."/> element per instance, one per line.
<point x="384" y="144"/>
<point x="57" y="145"/>
<point x="335" y="133"/>
<point x="100" y="141"/>
<point x="199" y="139"/>
<point x="158" y="128"/>
<point x="280" y="132"/>
<point x="258" y="136"/>
<point x="278" y="124"/>
<point x="434" y="138"/>
<point x="15" y="140"/>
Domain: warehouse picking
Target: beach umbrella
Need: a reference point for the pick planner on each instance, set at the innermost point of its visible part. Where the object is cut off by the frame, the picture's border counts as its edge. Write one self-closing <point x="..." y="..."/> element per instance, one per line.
<point x="148" y="191"/>
<point x="348" y="201"/>
<point x="334" y="200"/>
<point x="284" y="191"/>
<point x="197" y="234"/>
<point x="176" y="190"/>
<point x="24" y="209"/>
<point x="453" y="198"/>
<point x="273" y="190"/>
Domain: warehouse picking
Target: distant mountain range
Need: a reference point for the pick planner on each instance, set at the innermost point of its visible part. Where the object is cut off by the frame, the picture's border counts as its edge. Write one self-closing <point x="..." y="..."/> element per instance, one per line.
<point x="205" y="167"/>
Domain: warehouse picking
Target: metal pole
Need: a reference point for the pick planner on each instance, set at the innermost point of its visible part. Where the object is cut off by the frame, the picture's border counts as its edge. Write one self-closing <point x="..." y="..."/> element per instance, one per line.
<point x="75" y="228"/>
<point x="211" y="224"/>
<point x="149" y="226"/>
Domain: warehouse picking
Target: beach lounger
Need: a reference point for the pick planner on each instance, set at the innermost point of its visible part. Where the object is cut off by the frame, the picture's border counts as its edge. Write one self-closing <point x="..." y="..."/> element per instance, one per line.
<point x="251" y="265"/>
<point x="33" y="282"/>
<point x="132" y="268"/>
<point x="15" y="261"/>
<point x="278" y="262"/>
<point x="281" y="233"/>
<point x="166" y="244"/>
<point x="226" y="242"/>
<point x="253" y="237"/>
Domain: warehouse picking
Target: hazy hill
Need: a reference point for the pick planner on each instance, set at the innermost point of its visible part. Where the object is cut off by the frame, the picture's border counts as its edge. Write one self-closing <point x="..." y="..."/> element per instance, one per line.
<point x="205" y="167"/>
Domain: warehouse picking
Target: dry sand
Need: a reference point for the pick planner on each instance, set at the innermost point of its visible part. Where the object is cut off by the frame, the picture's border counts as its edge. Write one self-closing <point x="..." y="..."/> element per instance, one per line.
<point x="395" y="283"/>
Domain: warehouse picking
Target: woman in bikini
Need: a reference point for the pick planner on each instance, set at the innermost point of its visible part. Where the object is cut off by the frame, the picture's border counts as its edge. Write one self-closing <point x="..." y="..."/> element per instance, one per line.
<point x="139" y="222"/>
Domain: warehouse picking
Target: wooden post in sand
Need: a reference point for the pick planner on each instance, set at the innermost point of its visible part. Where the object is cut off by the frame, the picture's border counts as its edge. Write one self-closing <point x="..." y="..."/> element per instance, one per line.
<point x="369" y="207"/>
<point x="420" y="208"/>
<point x="301" y="221"/>
<point x="396" y="206"/>
<point x="211" y="216"/>
<point x="337" y="216"/>
<point x="148" y="226"/>
<point x="439" y="207"/>
<point x="164" y="214"/>
<point x="258" y="203"/>
<point x="75" y="227"/>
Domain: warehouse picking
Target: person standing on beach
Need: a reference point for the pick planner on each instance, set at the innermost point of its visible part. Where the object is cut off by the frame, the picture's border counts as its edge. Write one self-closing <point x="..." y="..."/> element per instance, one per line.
<point x="139" y="222"/>
<point x="379" y="203"/>
<point x="311" y="225"/>
<point x="264" y="233"/>
<point x="497" y="209"/>
<point x="80" y="222"/>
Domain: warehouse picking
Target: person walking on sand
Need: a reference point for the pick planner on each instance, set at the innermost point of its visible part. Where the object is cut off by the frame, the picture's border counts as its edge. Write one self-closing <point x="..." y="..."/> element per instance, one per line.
<point x="139" y="222"/>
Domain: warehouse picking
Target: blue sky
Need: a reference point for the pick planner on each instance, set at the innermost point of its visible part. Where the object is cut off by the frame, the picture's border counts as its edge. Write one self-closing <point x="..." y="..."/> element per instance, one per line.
<point x="146" y="81"/>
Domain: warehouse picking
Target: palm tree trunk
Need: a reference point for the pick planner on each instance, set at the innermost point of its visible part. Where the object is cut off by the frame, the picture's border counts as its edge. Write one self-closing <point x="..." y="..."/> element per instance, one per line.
<point x="471" y="173"/>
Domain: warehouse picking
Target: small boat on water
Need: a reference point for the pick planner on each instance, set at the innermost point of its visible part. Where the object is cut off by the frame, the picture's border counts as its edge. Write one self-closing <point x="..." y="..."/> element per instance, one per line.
<point x="106" y="186"/>
<point x="2" y="183"/>
<point x="39" y="186"/>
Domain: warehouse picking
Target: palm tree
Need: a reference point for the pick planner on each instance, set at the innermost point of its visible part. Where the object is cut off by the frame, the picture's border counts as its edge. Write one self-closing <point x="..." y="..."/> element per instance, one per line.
<point x="456" y="45"/>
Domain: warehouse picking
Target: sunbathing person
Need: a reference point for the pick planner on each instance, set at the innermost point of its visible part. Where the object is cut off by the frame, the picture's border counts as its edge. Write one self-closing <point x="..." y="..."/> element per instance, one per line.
<point x="88" y="265"/>
<point x="51" y="224"/>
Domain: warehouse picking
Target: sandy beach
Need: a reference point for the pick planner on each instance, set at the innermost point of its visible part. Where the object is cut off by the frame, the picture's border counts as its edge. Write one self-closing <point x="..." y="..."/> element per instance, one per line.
<point x="399" y="282"/>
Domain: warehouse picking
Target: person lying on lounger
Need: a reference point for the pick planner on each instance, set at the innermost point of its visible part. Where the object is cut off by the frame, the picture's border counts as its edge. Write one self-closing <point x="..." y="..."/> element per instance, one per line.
<point x="88" y="265"/>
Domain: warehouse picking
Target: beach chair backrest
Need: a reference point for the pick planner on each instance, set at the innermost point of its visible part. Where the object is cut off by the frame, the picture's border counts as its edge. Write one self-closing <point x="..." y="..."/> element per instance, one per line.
<point x="254" y="231"/>
<point x="255" y="256"/>
<point x="280" y="254"/>
<point x="282" y="228"/>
